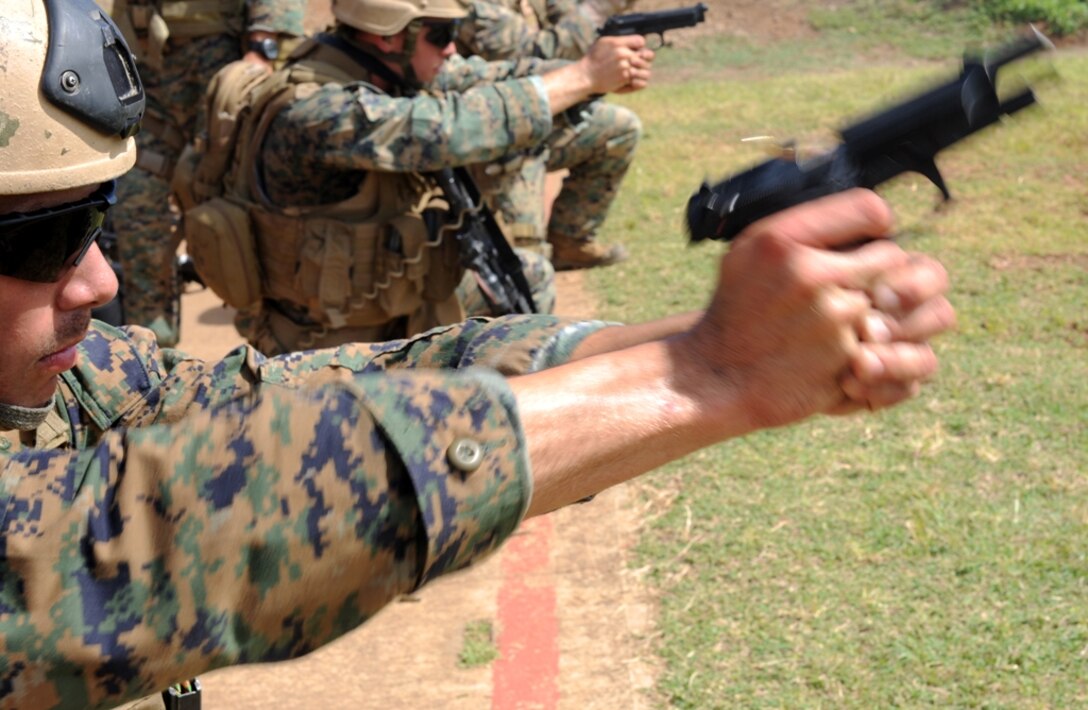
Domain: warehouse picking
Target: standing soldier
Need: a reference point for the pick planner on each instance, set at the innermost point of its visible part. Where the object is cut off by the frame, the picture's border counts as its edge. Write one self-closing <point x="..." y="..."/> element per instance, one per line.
<point x="179" y="45"/>
<point x="596" y="145"/>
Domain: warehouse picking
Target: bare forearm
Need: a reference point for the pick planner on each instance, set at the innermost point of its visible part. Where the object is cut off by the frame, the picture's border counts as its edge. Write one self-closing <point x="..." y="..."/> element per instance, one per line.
<point x="624" y="336"/>
<point x="567" y="86"/>
<point x="602" y="420"/>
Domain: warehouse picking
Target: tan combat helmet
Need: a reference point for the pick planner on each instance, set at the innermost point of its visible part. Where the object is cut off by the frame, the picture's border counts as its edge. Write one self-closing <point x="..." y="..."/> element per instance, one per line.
<point x="70" y="97"/>
<point x="388" y="17"/>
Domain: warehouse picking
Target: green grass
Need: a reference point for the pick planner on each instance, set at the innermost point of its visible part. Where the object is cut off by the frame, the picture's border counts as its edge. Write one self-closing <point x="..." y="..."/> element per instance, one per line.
<point x="1060" y="16"/>
<point x="477" y="645"/>
<point x="845" y="33"/>
<point x="935" y="555"/>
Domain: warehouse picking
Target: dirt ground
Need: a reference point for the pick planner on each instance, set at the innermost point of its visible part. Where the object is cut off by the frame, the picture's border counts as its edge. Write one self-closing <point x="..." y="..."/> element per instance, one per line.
<point x="603" y="612"/>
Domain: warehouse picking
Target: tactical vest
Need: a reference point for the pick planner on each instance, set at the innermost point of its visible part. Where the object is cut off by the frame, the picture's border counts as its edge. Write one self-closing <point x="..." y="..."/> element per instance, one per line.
<point x="344" y="271"/>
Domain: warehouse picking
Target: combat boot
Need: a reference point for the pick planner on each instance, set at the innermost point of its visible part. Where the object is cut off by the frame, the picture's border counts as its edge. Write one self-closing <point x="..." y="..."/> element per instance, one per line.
<point x="569" y="254"/>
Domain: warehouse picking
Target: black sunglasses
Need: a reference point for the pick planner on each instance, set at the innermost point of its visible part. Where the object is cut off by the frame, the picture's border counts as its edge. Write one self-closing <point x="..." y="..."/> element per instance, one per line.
<point x="41" y="245"/>
<point x="440" y="32"/>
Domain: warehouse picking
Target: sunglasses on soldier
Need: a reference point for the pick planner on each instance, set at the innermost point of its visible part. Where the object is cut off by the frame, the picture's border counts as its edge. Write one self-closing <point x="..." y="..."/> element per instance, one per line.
<point x="440" y="32"/>
<point x="42" y="245"/>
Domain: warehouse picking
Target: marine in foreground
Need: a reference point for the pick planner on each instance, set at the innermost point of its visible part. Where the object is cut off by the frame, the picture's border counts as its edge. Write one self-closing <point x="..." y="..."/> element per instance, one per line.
<point x="161" y="516"/>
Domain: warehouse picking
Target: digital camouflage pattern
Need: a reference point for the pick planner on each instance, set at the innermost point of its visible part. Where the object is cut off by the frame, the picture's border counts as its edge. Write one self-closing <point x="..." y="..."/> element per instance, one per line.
<point x="596" y="150"/>
<point x="597" y="147"/>
<point x="511" y="29"/>
<point x="146" y="225"/>
<point x="174" y="515"/>
<point x="321" y="147"/>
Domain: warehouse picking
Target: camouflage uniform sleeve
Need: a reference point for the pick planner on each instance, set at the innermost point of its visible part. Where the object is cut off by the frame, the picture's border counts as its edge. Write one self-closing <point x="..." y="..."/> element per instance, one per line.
<point x="252" y="532"/>
<point x="129" y="381"/>
<point x="281" y="16"/>
<point x="462" y="73"/>
<point x="511" y="345"/>
<point x="573" y="32"/>
<point x="337" y="131"/>
<point x="495" y="32"/>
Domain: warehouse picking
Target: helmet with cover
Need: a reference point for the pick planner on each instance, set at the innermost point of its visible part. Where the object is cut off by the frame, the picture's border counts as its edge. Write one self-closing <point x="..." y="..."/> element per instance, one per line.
<point x="388" y="17"/>
<point x="70" y="97"/>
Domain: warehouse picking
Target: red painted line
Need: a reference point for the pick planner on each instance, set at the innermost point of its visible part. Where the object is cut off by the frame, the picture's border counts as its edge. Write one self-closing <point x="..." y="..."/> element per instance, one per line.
<point x="526" y="675"/>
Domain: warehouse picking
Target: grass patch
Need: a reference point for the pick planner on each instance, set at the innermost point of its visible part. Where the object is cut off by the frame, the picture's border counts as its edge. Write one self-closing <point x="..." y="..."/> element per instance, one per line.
<point x="932" y="555"/>
<point x="477" y="645"/>
<point x="1060" y="16"/>
<point x="846" y="33"/>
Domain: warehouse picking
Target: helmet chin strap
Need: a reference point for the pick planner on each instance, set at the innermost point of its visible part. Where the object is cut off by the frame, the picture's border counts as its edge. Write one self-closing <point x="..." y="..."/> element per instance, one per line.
<point x="12" y="416"/>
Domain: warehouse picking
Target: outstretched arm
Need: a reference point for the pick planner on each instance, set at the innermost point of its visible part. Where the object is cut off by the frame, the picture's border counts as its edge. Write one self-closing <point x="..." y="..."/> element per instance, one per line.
<point x="271" y="524"/>
<point x="794" y="329"/>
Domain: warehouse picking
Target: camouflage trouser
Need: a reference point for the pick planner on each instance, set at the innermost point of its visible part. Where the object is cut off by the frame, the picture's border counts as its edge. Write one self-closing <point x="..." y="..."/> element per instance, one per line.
<point x="597" y="151"/>
<point x="538" y="272"/>
<point x="147" y="226"/>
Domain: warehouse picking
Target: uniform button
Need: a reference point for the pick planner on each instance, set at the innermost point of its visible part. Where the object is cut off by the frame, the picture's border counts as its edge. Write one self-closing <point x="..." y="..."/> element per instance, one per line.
<point x="465" y="455"/>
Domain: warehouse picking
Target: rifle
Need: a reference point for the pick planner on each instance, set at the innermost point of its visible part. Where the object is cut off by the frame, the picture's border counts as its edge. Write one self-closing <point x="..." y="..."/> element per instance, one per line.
<point x="654" y="23"/>
<point x="484" y="249"/>
<point x="904" y="138"/>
